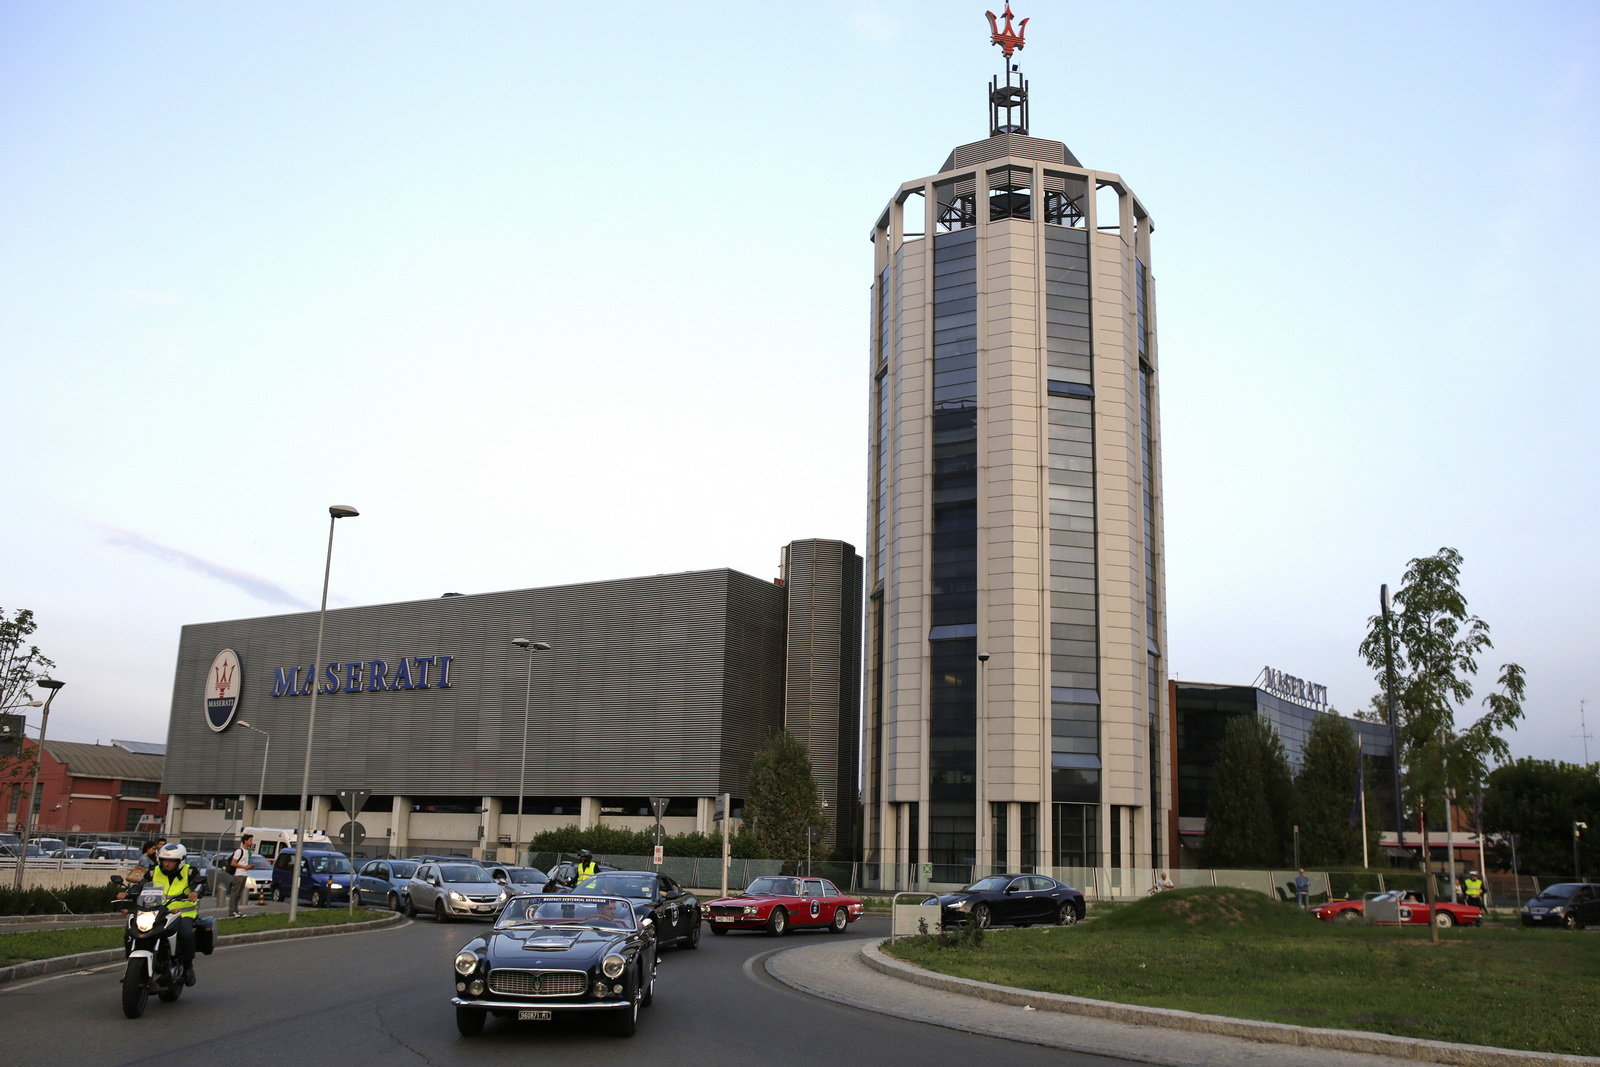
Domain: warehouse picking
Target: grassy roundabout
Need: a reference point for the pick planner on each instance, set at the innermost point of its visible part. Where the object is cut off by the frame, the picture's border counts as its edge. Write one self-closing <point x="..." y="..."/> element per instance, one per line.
<point x="1238" y="953"/>
<point x="24" y="946"/>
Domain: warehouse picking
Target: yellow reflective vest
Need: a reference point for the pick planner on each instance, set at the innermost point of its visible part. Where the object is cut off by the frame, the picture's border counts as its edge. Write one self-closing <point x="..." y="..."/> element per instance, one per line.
<point x="1474" y="887"/>
<point x="175" y="884"/>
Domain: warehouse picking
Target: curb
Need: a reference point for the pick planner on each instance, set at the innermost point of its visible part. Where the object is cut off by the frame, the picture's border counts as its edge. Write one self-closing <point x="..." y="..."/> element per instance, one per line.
<point x="1353" y="1041"/>
<point x="57" y="964"/>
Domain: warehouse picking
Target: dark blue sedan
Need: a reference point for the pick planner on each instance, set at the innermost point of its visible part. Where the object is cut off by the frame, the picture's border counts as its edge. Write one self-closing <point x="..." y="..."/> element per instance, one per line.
<point x="1014" y="900"/>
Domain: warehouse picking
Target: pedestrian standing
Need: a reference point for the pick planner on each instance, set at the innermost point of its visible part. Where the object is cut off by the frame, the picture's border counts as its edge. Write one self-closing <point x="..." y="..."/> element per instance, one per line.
<point x="239" y="864"/>
<point x="1302" y="890"/>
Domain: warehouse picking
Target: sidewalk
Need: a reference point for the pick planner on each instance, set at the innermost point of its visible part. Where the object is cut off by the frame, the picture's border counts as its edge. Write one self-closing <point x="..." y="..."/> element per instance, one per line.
<point x="858" y="974"/>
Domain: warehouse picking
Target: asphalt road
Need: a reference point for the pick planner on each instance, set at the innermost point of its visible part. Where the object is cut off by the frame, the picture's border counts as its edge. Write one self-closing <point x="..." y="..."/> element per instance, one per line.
<point x="383" y="997"/>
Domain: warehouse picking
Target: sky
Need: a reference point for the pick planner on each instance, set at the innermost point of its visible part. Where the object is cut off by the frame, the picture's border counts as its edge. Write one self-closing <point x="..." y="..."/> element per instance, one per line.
<point x="562" y="293"/>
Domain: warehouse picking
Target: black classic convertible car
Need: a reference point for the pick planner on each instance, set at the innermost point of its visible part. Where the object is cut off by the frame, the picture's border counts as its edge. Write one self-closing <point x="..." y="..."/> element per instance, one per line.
<point x="558" y="953"/>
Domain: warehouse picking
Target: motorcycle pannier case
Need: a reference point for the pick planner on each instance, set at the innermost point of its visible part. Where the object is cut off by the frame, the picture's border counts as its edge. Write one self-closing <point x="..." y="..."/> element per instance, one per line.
<point x="205" y="935"/>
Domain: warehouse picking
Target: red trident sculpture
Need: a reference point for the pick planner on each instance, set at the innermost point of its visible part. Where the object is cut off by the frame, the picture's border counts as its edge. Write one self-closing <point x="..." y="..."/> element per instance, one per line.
<point x="224" y="679"/>
<point x="1008" y="39"/>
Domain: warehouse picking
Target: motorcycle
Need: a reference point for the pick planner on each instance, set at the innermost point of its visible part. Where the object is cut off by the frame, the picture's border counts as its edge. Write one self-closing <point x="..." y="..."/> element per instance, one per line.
<point x="150" y="943"/>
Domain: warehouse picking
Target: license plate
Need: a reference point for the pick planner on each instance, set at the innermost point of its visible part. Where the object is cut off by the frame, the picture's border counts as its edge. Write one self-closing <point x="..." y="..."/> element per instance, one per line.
<point x="722" y="918"/>
<point x="533" y="1015"/>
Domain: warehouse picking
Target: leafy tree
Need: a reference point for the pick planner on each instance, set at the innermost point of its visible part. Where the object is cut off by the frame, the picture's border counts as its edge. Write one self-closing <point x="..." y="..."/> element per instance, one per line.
<point x="20" y="666"/>
<point x="1539" y="801"/>
<point x="781" y="801"/>
<point x="1248" y="817"/>
<point x="1325" y="795"/>
<point x="1436" y="644"/>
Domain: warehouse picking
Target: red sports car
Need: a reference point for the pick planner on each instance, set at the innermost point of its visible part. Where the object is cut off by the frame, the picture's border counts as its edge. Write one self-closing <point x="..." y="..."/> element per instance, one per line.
<point x="1413" y="910"/>
<point x="779" y="903"/>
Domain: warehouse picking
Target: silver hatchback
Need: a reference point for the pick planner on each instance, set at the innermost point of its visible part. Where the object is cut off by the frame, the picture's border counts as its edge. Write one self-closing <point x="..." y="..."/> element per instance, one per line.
<point x="454" y="891"/>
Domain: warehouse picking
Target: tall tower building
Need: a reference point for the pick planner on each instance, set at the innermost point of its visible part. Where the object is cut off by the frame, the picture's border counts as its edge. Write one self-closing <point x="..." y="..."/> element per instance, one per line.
<point x="1015" y="681"/>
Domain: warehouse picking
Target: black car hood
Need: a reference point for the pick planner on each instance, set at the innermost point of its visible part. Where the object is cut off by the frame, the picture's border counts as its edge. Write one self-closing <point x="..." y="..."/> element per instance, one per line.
<point x="553" y="946"/>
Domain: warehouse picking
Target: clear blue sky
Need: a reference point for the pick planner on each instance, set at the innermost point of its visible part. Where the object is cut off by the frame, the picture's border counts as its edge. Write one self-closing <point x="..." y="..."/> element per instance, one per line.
<point x="556" y="293"/>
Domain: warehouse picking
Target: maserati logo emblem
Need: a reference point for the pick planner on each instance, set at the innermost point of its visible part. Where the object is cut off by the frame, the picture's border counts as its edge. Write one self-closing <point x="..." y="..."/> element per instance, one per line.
<point x="1008" y="39"/>
<point x="222" y="690"/>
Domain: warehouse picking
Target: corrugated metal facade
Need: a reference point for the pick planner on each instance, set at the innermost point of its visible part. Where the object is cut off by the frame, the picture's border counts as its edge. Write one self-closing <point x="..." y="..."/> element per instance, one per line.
<point x="659" y="685"/>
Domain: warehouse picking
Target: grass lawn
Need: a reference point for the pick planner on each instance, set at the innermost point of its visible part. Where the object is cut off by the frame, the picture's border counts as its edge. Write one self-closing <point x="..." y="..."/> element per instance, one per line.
<point x="46" y="944"/>
<point x="1237" y="953"/>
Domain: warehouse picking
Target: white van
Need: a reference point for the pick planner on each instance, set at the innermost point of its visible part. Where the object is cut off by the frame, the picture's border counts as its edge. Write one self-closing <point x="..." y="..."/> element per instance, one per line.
<point x="269" y="839"/>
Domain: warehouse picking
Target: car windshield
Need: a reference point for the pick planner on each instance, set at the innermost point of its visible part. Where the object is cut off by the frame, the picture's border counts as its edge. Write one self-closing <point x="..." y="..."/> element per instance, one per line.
<point x="1561" y="891"/>
<point x="632" y="886"/>
<point x="258" y="862"/>
<point x="403" y="870"/>
<point x="527" y="876"/>
<point x="327" y="865"/>
<point x="995" y="883"/>
<point x="773" y="886"/>
<point x="463" y="873"/>
<point x="604" y="913"/>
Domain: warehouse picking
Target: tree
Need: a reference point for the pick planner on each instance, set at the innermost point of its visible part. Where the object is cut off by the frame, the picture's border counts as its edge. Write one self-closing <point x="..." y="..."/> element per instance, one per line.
<point x="1325" y="795"/>
<point x="1249" y="812"/>
<point x="1436" y="644"/>
<point x="781" y="801"/>
<point x="1538" y="801"/>
<point x="20" y="667"/>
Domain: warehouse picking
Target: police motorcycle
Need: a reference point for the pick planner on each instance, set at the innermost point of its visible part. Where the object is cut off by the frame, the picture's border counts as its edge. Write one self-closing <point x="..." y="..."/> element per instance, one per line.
<point x="150" y="942"/>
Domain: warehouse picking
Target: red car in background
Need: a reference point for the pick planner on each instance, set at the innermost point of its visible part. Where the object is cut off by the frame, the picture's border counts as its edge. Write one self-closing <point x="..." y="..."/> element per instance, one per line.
<point x="1413" y="910"/>
<point x="779" y="903"/>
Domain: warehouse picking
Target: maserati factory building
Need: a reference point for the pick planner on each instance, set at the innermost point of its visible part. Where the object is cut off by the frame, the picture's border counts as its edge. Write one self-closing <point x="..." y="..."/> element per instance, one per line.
<point x="663" y="686"/>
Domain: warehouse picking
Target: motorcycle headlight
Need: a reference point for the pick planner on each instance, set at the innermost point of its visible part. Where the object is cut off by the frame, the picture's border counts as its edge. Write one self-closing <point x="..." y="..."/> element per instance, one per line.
<point x="144" y="922"/>
<point x="466" y="962"/>
<point x="612" y="966"/>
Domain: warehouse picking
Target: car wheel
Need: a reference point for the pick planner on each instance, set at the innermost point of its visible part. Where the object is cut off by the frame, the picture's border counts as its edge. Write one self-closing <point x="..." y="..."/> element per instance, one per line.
<point x="626" y="1022"/>
<point x="1068" y="915"/>
<point x="693" y="940"/>
<point x="841" y="919"/>
<point x="1443" y="920"/>
<point x="778" y="923"/>
<point x="355" y="898"/>
<point x="411" y="909"/>
<point x="438" y="911"/>
<point x="720" y="931"/>
<point x="981" y="917"/>
<point x="470" y="1020"/>
<point x="394" y="901"/>
<point x="1349" y="915"/>
<point x="319" y="899"/>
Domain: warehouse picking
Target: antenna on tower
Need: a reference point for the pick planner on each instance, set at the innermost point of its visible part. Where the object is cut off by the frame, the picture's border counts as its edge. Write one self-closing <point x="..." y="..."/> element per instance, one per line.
<point x="1012" y="97"/>
<point x="1583" y="732"/>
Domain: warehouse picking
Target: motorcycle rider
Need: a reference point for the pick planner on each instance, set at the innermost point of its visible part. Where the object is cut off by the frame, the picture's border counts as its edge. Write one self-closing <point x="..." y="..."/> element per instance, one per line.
<point x="586" y="866"/>
<point x="176" y="878"/>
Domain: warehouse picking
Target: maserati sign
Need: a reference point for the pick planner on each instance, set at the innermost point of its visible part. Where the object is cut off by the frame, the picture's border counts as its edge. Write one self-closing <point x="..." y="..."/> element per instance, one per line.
<point x="223" y="683"/>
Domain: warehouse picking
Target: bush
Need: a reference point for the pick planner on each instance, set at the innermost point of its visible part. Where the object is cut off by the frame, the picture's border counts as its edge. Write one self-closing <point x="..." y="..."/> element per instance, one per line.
<point x="79" y="900"/>
<point x="610" y="841"/>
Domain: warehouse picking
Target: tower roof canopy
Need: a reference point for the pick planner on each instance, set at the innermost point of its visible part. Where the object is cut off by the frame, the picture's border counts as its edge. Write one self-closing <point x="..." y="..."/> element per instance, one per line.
<point x="1002" y="145"/>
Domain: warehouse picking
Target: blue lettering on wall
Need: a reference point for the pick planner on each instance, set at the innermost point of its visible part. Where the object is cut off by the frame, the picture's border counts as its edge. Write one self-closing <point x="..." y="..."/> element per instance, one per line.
<point x="369" y="676"/>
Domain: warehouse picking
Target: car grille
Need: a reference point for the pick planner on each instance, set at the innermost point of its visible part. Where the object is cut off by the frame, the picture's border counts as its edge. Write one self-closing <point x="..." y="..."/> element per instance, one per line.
<point x="538" y="983"/>
<point x="727" y="909"/>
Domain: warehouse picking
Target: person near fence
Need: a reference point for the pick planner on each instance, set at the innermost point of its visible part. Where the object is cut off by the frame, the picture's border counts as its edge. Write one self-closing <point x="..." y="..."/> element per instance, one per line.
<point x="1302" y="890"/>
<point x="1162" y="881"/>
<point x="1474" y="889"/>
<point x="238" y="867"/>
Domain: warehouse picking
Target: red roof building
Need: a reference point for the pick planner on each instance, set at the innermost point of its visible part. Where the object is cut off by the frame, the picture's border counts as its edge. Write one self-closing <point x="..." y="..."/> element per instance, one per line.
<point x="84" y="789"/>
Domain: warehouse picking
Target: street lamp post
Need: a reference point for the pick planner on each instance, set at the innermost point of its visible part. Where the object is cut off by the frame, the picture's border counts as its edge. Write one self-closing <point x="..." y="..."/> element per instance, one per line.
<point x="529" y="647"/>
<point x="335" y="513"/>
<point x="261" y="789"/>
<point x="1577" y="866"/>
<point x="33" y="788"/>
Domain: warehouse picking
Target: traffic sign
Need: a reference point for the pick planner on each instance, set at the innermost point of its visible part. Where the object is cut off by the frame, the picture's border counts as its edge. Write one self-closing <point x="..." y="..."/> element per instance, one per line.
<point x="354" y="800"/>
<point x="353" y="832"/>
<point x="660" y="856"/>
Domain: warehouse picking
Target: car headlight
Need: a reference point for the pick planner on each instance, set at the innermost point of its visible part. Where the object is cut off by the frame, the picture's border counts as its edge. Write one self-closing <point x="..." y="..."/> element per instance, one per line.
<point x="751" y="909"/>
<point x="466" y="962"/>
<point x="612" y="966"/>
<point x="457" y="897"/>
<point x="335" y="885"/>
<point x="144" y="922"/>
<point x="960" y="905"/>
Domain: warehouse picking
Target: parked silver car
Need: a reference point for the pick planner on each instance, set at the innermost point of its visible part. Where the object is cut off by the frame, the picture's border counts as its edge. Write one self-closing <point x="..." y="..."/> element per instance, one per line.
<point x="454" y="891"/>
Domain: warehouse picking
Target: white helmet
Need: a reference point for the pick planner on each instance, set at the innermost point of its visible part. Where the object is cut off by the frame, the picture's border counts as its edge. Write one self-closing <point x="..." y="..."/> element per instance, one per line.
<point x="172" y="851"/>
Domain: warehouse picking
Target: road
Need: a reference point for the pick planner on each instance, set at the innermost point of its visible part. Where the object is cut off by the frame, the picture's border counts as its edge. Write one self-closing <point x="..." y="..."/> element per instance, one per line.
<point x="383" y="997"/>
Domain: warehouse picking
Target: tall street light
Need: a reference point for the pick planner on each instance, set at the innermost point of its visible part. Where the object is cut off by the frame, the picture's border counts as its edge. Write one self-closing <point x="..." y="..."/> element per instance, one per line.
<point x="529" y="647"/>
<point x="33" y="789"/>
<point x="335" y="513"/>
<point x="261" y="790"/>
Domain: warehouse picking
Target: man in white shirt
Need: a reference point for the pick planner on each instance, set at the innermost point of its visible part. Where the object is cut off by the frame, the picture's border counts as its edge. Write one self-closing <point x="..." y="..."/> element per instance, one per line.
<point x="238" y="864"/>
